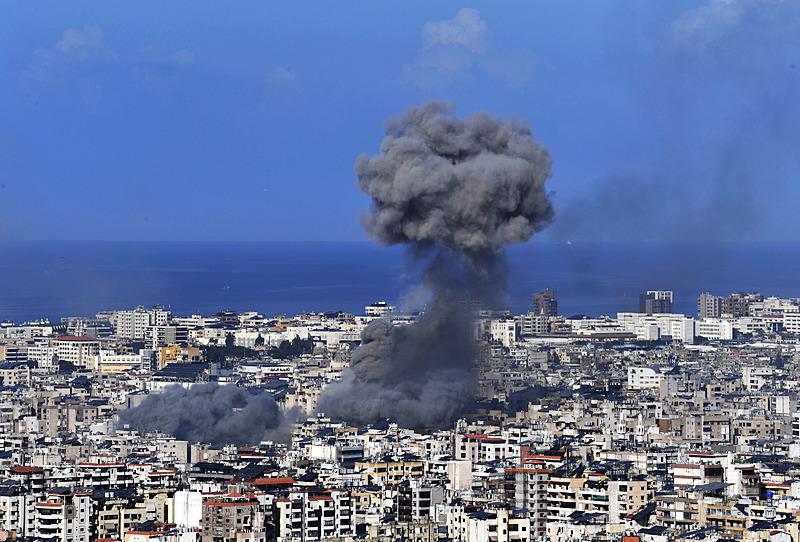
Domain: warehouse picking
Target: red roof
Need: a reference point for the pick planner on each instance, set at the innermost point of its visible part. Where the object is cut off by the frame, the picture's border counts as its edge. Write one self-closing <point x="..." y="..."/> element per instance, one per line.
<point x="528" y="470"/>
<point x="73" y="338"/>
<point x="25" y="470"/>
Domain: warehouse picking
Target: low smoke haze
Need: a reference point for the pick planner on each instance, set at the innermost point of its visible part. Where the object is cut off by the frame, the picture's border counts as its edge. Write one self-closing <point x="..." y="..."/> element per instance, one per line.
<point x="207" y="413"/>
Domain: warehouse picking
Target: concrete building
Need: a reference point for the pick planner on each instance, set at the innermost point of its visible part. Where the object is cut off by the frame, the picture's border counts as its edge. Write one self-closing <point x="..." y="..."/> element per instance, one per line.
<point x="527" y="489"/>
<point x="496" y="525"/>
<point x="791" y="322"/>
<point x="379" y="309"/>
<point x="232" y="519"/>
<point x="312" y="517"/>
<point x="503" y="331"/>
<point x="643" y="378"/>
<point x="714" y="329"/>
<point x="13" y="352"/>
<point x="133" y="324"/>
<point x="415" y="501"/>
<point x="532" y="324"/>
<point x="545" y="303"/>
<point x="651" y="327"/>
<point x="79" y="351"/>
<point x="15" y="374"/>
<point x="162" y="335"/>
<point x="17" y="510"/>
<point x="655" y="302"/>
<point x="110" y="361"/>
<point x="64" y="516"/>
<point x="709" y="306"/>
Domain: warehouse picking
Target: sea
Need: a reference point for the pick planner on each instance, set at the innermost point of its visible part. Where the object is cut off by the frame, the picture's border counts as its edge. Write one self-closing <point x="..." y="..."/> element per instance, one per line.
<point x="57" y="279"/>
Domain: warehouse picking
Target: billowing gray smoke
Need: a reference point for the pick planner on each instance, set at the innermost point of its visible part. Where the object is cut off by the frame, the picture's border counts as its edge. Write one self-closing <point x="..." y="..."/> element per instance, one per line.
<point x="468" y="186"/>
<point x="455" y="193"/>
<point x="207" y="413"/>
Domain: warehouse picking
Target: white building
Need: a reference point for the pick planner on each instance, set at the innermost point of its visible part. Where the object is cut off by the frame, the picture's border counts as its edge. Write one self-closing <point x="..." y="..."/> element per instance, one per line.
<point x="503" y="331"/>
<point x="641" y="378"/>
<point x="16" y="511"/>
<point x="109" y="361"/>
<point x="791" y="322"/>
<point x="299" y="516"/>
<point x="64" y="516"/>
<point x="247" y="338"/>
<point x="754" y="378"/>
<point x="498" y="525"/>
<point x="772" y="305"/>
<point x="43" y="353"/>
<point x="714" y="329"/>
<point x="379" y="309"/>
<point x="188" y="508"/>
<point x="751" y="325"/>
<point x="677" y="326"/>
<point x="133" y="324"/>
<point x="79" y="351"/>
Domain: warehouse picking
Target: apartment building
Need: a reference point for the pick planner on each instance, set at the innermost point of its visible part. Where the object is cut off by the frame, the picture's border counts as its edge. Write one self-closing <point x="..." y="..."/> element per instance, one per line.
<point x="314" y="516"/>
<point x="232" y="519"/>
<point x="64" y="516"/>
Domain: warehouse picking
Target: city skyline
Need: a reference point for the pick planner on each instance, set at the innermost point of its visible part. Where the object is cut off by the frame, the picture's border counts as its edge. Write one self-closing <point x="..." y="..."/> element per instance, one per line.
<point x="399" y="271"/>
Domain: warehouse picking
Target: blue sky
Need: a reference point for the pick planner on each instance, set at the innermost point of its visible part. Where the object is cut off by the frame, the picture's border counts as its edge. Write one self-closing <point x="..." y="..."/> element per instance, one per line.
<point x="241" y="121"/>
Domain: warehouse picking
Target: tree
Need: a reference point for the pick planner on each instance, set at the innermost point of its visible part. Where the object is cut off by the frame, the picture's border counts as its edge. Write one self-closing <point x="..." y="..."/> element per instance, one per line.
<point x="229" y="340"/>
<point x="296" y="348"/>
<point x="259" y="341"/>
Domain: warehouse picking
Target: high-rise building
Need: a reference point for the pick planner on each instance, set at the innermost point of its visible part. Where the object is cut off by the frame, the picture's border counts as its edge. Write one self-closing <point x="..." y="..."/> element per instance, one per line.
<point x="79" y="351"/>
<point x="232" y="519"/>
<point x="709" y="306"/>
<point x="309" y="516"/>
<point x="734" y="305"/>
<point x="133" y="324"/>
<point x="545" y="303"/>
<point x="533" y="324"/>
<point x="656" y="302"/>
<point x="738" y="304"/>
<point x="64" y="515"/>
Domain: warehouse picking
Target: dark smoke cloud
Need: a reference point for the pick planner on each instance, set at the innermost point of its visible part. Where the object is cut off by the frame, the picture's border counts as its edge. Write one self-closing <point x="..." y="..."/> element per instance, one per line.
<point x="207" y="413"/>
<point x="455" y="193"/>
<point x="470" y="186"/>
<point x="418" y="374"/>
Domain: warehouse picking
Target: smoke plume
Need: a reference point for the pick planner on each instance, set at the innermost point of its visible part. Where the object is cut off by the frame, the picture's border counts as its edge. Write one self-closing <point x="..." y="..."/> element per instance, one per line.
<point x="715" y="95"/>
<point x="207" y="413"/>
<point x="455" y="193"/>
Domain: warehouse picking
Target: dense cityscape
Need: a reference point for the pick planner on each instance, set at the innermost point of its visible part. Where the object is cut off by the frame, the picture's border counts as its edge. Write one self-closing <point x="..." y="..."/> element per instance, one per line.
<point x="648" y="426"/>
<point x="574" y="320"/>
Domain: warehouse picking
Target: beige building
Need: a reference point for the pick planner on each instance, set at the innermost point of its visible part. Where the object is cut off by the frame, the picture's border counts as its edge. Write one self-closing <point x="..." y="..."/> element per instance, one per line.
<point x="79" y="351"/>
<point x="232" y="519"/>
<point x="389" y="472"/>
